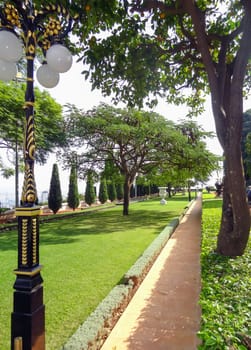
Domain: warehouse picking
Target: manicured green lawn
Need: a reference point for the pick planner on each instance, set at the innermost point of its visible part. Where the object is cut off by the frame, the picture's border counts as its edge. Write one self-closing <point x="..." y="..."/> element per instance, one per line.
<point x="84" y="258"/>
<point x="226" y="292"/>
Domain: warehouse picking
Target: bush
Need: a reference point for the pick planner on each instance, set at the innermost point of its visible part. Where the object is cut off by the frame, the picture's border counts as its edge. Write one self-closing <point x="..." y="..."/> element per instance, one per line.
<point x="2" y="210"/>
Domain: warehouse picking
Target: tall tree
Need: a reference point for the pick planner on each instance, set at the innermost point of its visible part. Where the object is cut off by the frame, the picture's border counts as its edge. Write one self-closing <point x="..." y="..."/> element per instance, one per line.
<point x="48" y="126"/>
<point x="134" y="141"/>
<point x="73" y="195"/>
<point x="49" y="120"/>
<point x="158" y="48"/>
<point x="55" y="195"/>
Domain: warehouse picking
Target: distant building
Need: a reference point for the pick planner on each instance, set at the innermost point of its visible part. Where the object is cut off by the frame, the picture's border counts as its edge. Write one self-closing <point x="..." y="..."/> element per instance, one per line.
<point x="7" y="200"/>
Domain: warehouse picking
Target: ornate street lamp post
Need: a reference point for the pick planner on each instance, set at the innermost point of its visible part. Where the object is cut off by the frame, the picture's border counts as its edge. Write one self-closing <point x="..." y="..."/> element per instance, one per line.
<point x="23" y="28"/>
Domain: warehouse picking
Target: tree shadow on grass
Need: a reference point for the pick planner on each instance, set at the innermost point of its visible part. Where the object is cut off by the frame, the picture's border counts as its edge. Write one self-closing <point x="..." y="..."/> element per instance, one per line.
<point x="69" y="230"/>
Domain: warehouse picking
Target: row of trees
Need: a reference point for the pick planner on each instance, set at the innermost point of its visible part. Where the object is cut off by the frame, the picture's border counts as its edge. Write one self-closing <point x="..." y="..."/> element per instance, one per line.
<point x="107" y="191"/>
<point x="117" y="144"/>
<point x="55" y="195"/>
<point x="157" y="48"/>
<point x="185" y="160"/>
<point x="49" y="130"/>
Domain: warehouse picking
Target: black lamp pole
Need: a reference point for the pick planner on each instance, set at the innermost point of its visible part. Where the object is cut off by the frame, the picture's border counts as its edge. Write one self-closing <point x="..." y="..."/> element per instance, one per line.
<point x="37" y="28"/>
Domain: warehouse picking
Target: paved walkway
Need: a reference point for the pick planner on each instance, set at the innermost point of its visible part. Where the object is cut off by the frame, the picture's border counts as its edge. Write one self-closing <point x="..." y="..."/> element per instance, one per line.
<point x="164" y="313"/>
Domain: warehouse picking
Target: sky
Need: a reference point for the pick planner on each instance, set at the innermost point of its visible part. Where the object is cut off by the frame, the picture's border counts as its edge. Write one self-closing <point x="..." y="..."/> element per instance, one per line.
<point x="72" y="88"/>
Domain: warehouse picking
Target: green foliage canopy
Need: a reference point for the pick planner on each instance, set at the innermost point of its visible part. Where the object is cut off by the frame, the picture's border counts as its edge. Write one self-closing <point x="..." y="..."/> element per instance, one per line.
<point x="140" y="50"/>
<point x="158" y="48"/>
<point x="134" y="141"/>
<point x="48" y="120"/>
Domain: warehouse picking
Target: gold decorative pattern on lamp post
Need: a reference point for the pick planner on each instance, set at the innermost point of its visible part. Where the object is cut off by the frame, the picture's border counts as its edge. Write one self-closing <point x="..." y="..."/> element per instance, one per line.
<point x="26" y="29"/>
<point x="24" y="240"/>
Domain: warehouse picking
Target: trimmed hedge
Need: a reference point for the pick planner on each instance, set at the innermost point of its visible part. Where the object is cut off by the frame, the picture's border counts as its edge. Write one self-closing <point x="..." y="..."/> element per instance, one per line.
<point x="96" y="327"/>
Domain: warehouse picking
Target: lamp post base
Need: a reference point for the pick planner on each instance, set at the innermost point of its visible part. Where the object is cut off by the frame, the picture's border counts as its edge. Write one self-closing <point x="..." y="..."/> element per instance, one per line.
<point x="28" y="316"/>
<point x="27" y="320"/>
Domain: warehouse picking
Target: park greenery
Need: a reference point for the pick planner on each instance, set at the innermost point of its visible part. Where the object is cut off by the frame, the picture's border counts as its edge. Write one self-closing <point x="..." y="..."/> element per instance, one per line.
<point x="49" y="131"/>
<point x="225" y="295"/>
<point x="182" y="50"/>
<point x="103" y="194"/>
<point x="138" y="51"/>
<point x="134" y="142"/>
<point x="89" y="190"/>
<point x="55" y="195"/>
<point x="225" y="314"/>
<point x="83" y="264"/>
<point x="147" y="140"/>
<point x="73" y="196"/>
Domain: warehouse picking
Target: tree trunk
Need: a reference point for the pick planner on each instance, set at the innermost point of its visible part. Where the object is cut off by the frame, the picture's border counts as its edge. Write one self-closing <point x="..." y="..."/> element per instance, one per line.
<point x="127" y="187"/>
<point x="189" y="191"/>
<point x="228" y="113"/>
<point x="226" y="85"/>
<point x="169" y="190"/>
<point x="235" y="221"/>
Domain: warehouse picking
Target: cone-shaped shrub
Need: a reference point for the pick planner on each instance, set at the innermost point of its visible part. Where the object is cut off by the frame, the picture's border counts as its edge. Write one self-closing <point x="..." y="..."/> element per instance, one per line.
<point x="120" y="191"/>
<point x="55" y="195"/>
<point x="103" y="194"/>
<point x="73" y="195"/>
<point x="89" y="191"/>
<point x="112" y="194"/>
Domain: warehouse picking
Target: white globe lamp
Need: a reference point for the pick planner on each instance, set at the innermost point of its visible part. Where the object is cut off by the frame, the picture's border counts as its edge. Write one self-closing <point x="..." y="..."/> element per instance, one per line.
<point x="8" y="70"/>
<point x="47" y="77"/>
<point x="59" y="58"/>
<point x="11" y="46"/>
